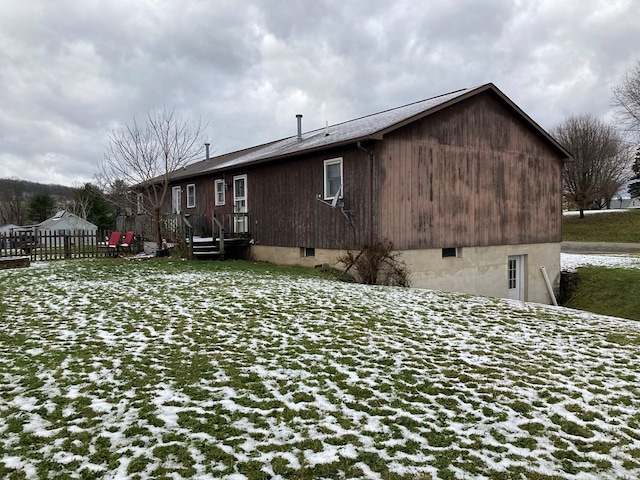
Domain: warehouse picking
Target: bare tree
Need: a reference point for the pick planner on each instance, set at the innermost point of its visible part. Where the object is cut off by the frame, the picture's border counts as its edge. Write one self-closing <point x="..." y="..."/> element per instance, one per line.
<point x="626" y="100"/>
<point x="13" y="206"/>
<point x="121" y="197"/>
<point x="634" y="185"/>
<point x="601" y="160"/>
<point x="80" y="203"/>
<point x="143" y="157"/>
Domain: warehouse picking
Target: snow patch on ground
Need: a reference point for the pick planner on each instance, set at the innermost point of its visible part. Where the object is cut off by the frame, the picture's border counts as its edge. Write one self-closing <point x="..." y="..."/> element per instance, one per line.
<point x="177" y="371"/>
<point x="570" y="261"/>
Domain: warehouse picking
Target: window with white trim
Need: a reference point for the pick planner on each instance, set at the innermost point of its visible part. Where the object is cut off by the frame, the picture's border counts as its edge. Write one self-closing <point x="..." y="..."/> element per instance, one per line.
<point x="191" y="195"/>
<point x="332" y="178"/>
<point x="176" y="201"/>
<point x="219" y="192"/>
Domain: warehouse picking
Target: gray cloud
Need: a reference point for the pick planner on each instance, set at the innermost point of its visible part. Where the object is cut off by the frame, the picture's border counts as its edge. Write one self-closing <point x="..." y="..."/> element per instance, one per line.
<point x="72" y="71"/>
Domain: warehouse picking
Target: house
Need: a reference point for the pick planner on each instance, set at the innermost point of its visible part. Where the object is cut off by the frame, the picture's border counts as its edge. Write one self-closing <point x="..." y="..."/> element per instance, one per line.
<point x="466" y="186"/>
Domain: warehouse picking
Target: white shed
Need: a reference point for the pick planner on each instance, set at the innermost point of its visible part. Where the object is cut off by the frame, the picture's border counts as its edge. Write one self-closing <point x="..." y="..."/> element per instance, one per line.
<point x="65" y="222"/>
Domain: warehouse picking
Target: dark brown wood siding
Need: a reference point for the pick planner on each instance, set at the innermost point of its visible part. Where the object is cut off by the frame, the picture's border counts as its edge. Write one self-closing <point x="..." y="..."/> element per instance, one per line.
<point x="283" y="205"/>
<point x="471" y="175"/>
<point x="201" y="213"/>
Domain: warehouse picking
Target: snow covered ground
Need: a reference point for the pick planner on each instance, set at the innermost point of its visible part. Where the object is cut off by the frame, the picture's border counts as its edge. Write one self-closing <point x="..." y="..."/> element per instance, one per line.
<point x="127" y="370"/>
<point x="570" y="261"/>
<point x="574" y="213"/>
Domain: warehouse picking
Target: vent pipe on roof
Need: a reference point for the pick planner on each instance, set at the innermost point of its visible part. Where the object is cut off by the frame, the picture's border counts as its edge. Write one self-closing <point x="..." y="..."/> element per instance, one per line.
<point x="206" y="146"/>
<point x="299" y="117"/>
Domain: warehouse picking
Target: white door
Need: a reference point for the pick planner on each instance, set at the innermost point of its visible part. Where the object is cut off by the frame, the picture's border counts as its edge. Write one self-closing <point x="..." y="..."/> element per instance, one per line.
<point x="176" y="203"/>
<point x="515" y="277"/>
<point x="240" y="223"/>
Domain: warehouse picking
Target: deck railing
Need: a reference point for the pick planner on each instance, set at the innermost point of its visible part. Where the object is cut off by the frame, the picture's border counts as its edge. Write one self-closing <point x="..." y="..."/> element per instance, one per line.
<point x="172" y="226"/>
<point x="235" y="225"/>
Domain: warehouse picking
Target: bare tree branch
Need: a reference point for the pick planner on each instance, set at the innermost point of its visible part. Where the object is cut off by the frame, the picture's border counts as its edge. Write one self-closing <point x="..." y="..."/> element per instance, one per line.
<point x="145" y="156"/>
<point x="601" y="160"/>
<point x="626" y="100"/>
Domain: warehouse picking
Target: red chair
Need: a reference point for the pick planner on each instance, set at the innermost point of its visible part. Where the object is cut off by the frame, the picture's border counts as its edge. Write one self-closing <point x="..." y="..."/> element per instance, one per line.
<point x="113" y="243"/>
<point x="127" y="242"/>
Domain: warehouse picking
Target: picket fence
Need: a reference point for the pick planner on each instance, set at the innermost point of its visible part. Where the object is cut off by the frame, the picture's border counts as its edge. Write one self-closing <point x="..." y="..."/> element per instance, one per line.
<point x="59" y="245"/>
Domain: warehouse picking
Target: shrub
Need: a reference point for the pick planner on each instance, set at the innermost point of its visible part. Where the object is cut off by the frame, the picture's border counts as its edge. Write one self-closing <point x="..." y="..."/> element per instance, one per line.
<point x="376" y="264"/>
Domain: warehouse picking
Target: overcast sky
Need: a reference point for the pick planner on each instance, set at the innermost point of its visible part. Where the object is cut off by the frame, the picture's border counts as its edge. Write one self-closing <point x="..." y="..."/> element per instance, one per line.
<point x="73" y="70"/>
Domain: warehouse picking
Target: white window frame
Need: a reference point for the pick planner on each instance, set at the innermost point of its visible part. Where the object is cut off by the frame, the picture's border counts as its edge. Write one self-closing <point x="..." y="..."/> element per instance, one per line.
<point x="220" y="189"/>
<point x="191" y="195"/>
<point x="327" y="163"/>
<point x="176" y="200"/>
<point x="240" y="205"/>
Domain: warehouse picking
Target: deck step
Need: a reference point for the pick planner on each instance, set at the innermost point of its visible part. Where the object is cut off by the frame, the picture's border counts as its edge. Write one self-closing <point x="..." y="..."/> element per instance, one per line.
<point x="209" y="247"/>
<point x="206" y="248"/>
<point x="205" y="255"/>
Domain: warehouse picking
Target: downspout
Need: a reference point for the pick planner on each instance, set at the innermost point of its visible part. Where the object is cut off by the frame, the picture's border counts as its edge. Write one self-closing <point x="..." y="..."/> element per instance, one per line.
<point x="548" y="284"/>
<point x="370" y="200"/>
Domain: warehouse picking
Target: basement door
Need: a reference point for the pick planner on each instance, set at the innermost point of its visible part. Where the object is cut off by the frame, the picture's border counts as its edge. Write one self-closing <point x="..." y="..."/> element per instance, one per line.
<point x="515" y="277"/>
<point x="240" y="217"/>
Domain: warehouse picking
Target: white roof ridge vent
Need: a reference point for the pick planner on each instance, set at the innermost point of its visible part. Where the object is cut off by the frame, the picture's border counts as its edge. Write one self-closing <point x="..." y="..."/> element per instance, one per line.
<point x="326" y="128"/>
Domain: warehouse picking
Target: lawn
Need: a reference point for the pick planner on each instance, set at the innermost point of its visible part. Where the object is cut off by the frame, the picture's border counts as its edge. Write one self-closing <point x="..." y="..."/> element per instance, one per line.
<point x="159" y="369"/>
<point x="608" y="291"/>
<point x="615" y="226"/>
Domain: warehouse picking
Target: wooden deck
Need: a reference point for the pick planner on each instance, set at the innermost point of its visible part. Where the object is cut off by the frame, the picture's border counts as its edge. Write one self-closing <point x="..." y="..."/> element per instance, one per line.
<point x="14" y="262"/>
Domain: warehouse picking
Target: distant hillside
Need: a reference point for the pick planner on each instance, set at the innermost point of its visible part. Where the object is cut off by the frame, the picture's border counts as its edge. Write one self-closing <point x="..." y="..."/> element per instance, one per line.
<point x="33" y="188"/>
<point x="15" y="195"/>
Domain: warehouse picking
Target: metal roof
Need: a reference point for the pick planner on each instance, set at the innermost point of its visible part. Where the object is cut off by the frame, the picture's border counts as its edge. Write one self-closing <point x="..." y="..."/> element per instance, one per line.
<point x="370" y="127"/>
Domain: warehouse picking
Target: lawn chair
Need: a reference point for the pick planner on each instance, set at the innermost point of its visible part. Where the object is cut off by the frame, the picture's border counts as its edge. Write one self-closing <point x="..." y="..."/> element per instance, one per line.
<point x="113" y="243"/>
<point x="127" y="243"/>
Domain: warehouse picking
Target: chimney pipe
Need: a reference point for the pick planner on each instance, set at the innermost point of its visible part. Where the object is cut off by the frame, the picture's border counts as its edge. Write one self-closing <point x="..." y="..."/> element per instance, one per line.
<point x="206" y="146"/>
<point x="299" y="117"/>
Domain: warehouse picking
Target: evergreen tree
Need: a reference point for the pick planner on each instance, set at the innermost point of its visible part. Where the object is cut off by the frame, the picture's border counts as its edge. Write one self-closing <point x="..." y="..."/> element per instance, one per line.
<point x="101" y="212"/>
<point x="634" y="186"/>
<point x="41" y="207"/>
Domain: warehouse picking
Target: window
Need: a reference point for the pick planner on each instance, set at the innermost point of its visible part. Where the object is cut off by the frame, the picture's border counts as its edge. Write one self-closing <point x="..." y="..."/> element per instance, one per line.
<point x="512" y="273"/>
<point x="140" y="204"/>
<point x="332" y="178"/>
<point x="219" y="192"/>
<point x="191" y="195"/>
<point x="449" y="252"/>
<point x="240" y="205"/>
<point x="176" y="201"/>
<point x="307" y="252"/>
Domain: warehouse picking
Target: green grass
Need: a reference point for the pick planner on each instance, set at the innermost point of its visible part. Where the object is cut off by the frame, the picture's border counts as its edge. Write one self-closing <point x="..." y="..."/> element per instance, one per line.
<point x="608" y="291"/>
<point x="602" y="290"/>
<point x="623" y="227"/>
<point x="177" y="369"/>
